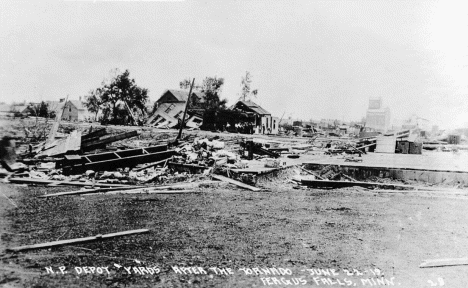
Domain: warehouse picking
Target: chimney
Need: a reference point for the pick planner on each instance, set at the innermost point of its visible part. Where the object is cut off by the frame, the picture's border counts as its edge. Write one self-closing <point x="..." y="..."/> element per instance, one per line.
<point x="80" y="98"/>
<point x="62" y="100"/>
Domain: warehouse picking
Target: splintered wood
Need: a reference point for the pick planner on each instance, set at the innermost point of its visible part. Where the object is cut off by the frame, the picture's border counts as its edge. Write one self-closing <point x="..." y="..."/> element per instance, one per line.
<point x="75" y="241"/>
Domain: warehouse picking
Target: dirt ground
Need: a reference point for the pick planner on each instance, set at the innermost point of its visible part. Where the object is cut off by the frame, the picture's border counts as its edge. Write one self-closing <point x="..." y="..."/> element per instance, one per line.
<point x="226" y="227"/>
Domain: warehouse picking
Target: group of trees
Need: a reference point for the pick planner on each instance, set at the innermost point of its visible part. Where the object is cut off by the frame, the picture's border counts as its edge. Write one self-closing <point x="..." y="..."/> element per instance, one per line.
<point x="119" y="99"/>
<point x="41" y="109"/>
<point x="212" y="87"/>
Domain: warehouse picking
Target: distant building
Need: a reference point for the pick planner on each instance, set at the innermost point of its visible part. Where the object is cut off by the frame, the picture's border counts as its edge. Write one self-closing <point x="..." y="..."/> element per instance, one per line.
<point x="377" y="118"/>
<point x="73" y="110"/>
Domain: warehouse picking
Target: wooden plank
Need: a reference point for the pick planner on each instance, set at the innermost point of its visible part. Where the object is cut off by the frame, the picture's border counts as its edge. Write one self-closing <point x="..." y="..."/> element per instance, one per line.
<point x="365" y="146"/>
<point x="311" y="173"/>
<point x="55" y="126"/>
<point x="131" y="113"/>
<point x="151" y="165"/>
<point x="88" y="145"/>
<point x="444" y="262"/>
<point x="76" y="240"/>
<point x="341" y="184"/>
<point x="62" y="146"/>
<point x="165" y="187"/>
<point x="110" y="161"/>
<point x="47" y="182"/>
<point x="235" y="182"/>
<point x="88" y="191"/>
<point x="124" y="161"/>
<point x="93" y="135"/>
<point x="349" y="178"/>
<point x="148" y="191"/>
<point x="182" y="123"/>
<point x="190" y="168"/>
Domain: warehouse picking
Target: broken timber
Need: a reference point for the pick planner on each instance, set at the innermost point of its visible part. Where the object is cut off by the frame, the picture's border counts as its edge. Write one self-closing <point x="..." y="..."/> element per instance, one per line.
<point x="94" y="143"/>
<point x="111" y="160"/>
<point x="55" y="183"/>
<point x="311" y="173"/>
<point x="444" y="262"/>
<point x="55" y="126"/>
<point x="88" y="191"/>
<point x="232" y="181"/>
<point x="149" y="191"/>
<point x="156" y="189"/>
<point x="93" y="135"/>
<point x="341" y="184"/>
<point x="190" y="168"/>
<point x="261" y="151"/>
<point x="151" y="165"/>
<point x="76" y="240"/>
<point x="59" y="147"/>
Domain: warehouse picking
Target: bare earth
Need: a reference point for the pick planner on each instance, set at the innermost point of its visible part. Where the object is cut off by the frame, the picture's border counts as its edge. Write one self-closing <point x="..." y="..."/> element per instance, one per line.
<point x="226" y="227"/>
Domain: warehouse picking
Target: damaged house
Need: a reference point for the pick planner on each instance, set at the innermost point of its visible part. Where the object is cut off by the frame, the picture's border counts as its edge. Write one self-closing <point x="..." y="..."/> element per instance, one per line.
<point x="263" y="122"/>
<point x="169" y="109"/>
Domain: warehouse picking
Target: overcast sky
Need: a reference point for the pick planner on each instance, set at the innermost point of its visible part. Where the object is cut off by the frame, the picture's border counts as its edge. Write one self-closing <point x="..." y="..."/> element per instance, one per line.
<point x="309" y="59"/>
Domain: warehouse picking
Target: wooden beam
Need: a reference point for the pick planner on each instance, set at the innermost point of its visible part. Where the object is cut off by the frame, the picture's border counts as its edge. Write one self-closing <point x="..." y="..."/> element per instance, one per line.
<point x="349" y="178"/>
<point x="150" y="165"/>
<point x="94" y="135"/>
<point x="77" y="183"/>
<point x="76" y="240"/>
<point x="164" y="187"/>
<point x="88" y="191"/>
<point x="185" y="111"/>
<point x="365" y="146"/>
<point x="191" y="168"/>
<point x="235" y="182"/>
<point x="55" y="126"/>
<point x="444" y="262"/>
<point x="148" y="191"/>
<point x="340" y="184"/>
<point x="311" y="173"/>
<point x="71" y="143"/>
<point x="88" y="145"/>
<point x="131" y="113"/>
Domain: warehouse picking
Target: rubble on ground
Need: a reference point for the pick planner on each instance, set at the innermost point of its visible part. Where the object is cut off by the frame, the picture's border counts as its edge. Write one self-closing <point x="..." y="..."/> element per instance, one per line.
<point x="144" y="157"/>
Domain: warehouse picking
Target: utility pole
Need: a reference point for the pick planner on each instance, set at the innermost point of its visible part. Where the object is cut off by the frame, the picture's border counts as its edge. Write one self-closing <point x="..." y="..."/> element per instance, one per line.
<point x="185" y="111"/>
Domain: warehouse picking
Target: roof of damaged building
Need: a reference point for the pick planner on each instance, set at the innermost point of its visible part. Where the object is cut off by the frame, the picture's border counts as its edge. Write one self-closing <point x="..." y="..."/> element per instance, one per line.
<point x="182" y="96"/>
<point x="78" y="104"/>
<point x="254" y="107"/>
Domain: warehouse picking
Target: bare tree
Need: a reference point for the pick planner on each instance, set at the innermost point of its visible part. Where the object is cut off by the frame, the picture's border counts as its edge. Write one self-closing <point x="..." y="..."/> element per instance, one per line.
<point x="247" y="93"/>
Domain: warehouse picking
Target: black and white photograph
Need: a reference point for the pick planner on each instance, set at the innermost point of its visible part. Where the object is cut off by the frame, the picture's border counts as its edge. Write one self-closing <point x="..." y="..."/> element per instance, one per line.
<point x="237" y="143"/>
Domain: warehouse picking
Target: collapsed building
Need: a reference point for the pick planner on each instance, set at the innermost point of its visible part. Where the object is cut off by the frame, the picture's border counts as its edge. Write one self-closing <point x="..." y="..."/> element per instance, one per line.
<point x="170" y="109"/>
